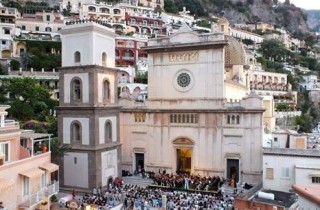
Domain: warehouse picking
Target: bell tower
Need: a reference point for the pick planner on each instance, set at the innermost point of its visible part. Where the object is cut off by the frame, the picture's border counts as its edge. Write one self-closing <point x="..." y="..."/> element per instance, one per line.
<point x="88" y="114"/>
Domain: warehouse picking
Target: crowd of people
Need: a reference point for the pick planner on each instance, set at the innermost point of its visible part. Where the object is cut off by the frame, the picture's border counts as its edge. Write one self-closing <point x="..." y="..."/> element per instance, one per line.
<point x="141" y="198"/>
<point x="185" y="181"/>
<point x="176" y="192"/>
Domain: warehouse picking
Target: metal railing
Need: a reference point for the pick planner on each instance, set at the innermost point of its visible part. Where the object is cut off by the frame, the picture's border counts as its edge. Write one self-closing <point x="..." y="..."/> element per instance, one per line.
<point x="32" y="199"/>
<point x="52" y="188"/>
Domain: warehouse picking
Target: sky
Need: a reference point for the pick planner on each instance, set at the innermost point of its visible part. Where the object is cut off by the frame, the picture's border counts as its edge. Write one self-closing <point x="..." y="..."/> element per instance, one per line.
<point x="306" y="4"/>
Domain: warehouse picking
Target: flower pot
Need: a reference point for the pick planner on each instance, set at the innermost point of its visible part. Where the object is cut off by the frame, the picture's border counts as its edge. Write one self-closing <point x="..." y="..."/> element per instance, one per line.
<point x="44" y="148"/>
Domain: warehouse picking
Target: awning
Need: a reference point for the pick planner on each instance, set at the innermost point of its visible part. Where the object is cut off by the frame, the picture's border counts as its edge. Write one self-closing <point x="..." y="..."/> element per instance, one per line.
<point x="314" y="174"/>
<point x="32" y="173"/>
<point x="50" y="167"/>
<point x="6" y="184"/>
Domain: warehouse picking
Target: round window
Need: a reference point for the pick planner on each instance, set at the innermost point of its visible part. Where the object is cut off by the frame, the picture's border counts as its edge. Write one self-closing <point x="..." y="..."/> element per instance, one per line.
<point x="184" y="80"/>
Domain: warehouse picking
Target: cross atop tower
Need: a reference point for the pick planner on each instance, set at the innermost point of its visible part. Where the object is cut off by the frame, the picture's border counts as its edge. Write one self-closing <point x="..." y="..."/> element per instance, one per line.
<point x="184" y="13"/>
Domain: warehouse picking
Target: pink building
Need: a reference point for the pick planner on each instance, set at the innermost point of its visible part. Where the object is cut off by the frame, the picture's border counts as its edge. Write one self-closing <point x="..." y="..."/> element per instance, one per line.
<point x="27" y="177"/>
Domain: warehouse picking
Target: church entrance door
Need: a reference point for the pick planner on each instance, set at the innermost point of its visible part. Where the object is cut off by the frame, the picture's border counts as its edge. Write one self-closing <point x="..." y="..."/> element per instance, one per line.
<point x="184" y="156"/>
<point x="139" y="157"/>
<point x="233" y="171"/>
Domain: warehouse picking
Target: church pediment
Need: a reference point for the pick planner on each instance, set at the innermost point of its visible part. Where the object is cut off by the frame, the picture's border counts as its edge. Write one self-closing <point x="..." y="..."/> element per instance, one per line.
<point x="183" y="141"/>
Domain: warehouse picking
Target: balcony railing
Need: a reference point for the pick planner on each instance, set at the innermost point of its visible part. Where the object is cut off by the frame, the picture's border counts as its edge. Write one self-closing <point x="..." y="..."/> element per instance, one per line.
<point x="52" y="188"/>
<point x="37" y="197"/>
<point x="33" y="199"/>
<point x="282" y="114"/>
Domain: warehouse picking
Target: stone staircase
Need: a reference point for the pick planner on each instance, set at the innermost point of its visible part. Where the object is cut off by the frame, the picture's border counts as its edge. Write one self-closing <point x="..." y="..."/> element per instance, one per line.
<point x="137" y="180"/>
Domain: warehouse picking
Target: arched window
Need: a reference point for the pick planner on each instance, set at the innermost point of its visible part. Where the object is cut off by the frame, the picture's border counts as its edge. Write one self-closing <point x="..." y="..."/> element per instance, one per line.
<point x="238" y="119"/>
<point x="76" y="89"/>
<point x="76" y="132"/>
<point x="77" y="57"/>
<point x="106" y="90"/>
<point x="104" y="59"/>
<point x="108" y="132"/>
<point x="233" y="119"/>
<point x="228" y="119"/>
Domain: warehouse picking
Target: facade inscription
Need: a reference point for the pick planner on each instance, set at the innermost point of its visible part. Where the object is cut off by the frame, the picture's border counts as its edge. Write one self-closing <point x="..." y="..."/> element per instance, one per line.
<point x="184" y="56"/>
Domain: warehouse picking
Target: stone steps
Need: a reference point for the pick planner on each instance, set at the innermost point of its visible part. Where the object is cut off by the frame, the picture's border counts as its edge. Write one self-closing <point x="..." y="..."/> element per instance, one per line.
<point x="137" y="180"/>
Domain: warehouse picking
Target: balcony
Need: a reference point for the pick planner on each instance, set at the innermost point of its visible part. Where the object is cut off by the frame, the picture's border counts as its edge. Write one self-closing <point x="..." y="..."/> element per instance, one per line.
<point x="52" y="189"/>
<point x="33" y="199"/>
<point x="10" y="125"/>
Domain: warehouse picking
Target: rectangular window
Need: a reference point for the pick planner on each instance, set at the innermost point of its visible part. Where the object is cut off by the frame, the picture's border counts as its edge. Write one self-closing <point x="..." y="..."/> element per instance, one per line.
<point x="4" y="148"/>
<point x="269" y="173"/>
<point x="48" y="17"/>
<point x="275" y="139"/>
<point x="37" y="28"/>
<point x="315" y="180"/>
<point x="25" y="186"/>
<point x="285" y="172"/>
<point x="23" y="27"/>
<point x="3" y="42"/>
<point x="6" y="31"/>
<point x="75" y="160"/>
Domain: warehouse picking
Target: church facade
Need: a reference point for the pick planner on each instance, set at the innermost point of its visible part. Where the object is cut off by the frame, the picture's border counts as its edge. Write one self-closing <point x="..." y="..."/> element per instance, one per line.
<point x="187" y="125"/>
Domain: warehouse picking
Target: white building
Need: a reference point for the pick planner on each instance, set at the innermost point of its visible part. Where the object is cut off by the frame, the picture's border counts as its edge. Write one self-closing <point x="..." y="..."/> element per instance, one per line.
<point x="74" y="5"/>
<point x="241" y="34"/>
<point x="288" y="162"/>
<point x="107" y="12"/>
<point x="169" y="18"/>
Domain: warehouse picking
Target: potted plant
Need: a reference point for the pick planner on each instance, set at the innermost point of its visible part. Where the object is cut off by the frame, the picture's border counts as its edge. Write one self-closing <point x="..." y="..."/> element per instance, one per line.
<point x="44" y="148"/>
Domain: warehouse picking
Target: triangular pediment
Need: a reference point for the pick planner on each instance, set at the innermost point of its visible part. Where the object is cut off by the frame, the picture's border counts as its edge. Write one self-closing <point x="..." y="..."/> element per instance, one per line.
<point x="184" y="141"/>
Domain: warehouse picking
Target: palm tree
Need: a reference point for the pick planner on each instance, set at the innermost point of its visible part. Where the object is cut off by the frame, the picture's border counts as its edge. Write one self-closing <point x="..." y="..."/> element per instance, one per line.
<point x="58" y="149"/>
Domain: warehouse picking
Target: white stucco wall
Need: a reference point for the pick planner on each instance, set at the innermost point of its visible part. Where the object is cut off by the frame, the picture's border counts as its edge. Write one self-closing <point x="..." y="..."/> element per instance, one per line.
<point x="84" y="130"/>
<point x="91" y="40"/>
<point x="109" y="165"/>
<point x="102" y="43"/>
<point x="304" y="173"/>
<point x="110" y="78"/>
<point x="85" y="86"/>
<point x="85" y="48"/>
<point x="300" y="175"/>
<point x="102" y="121"/>
<point x="205" y="75"/>
<point x="76" y="162"/>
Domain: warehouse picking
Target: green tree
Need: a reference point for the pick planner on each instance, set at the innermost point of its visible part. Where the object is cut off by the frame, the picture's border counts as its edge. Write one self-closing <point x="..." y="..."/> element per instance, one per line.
<point x="14" y="65"/>
<point x="29" y="100"/>
<point x="274" y="49"/>
<point x="169" y="6"/>
<point x="247" y="41"/>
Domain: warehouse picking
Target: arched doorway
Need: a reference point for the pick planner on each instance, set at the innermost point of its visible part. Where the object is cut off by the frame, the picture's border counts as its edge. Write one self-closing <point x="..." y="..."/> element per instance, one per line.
<point x="184" y="153"/>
